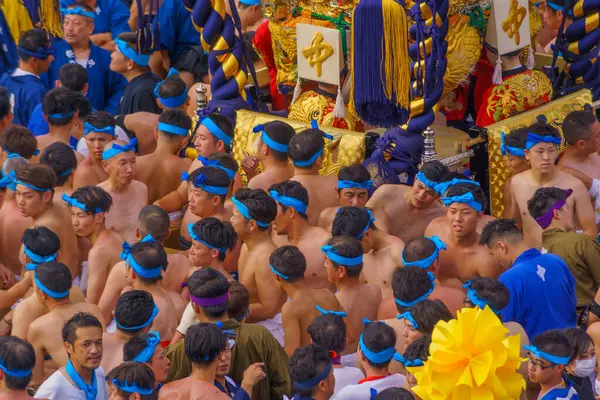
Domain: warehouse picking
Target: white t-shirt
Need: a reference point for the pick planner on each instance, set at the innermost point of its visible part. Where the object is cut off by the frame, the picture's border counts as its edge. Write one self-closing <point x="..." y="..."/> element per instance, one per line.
<point x="57" y="387"/>
<point x="595" y="194"/>
<point x="346" y="376"/>
<point x="362" y="391"/>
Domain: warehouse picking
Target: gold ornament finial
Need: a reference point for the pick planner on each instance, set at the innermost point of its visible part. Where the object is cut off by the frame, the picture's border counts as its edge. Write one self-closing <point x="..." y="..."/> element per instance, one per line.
<point x="318" y="52"/>
<point x="512" y="23"/>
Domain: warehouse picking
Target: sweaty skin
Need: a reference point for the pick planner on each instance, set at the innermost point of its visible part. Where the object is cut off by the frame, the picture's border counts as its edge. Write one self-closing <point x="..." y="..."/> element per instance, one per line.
<point x="359" y="301"/>
<point x="127" y="204"/>
<point x="321" y="193"/>
<point x="381" y="262"/>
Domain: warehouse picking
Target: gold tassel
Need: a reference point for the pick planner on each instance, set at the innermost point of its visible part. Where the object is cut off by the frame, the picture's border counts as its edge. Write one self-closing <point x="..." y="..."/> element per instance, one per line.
<point x="395" y="62"/>
<point x="351" y="67"/>
<point x="50" y="18"/>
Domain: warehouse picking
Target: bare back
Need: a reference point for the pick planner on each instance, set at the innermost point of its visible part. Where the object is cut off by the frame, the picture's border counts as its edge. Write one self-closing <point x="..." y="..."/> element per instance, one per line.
<point x="12" y="227"/>
<point x="127" y="204"/>
<point x="321" y="194"/>
<point x="166" y="320"/>
<point x="88" y="174"/>
<point x="176" y="273"/>
<point x="590" y="167"/>
<point x="160" y="173"/>
<point x="379" y="265"/>
<point x="191" y="389"/>
<point x="103" y="256"/>
<point x="360" y="301"/>
<point x="190" y="218"/>
<point x="112" y="351"/>
<point x="271" y="176"/>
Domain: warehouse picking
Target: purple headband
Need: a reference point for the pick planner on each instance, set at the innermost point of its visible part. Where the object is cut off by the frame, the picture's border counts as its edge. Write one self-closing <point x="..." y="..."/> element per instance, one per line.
<point x="545" y="220"/>
<point x="208" y="302"/>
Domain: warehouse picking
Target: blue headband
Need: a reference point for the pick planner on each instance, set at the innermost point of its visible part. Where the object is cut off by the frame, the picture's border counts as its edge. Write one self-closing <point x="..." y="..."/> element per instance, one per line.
<point x="475" y="299"/>
<point x="336" y="258"/>
<point x="417" y="362"/>
<point x="216" y="131"/>
<point x="8" y="180"/>
<point x="243" y="316"/>
<point x="250" y="2"/>
<point x="75" y="203"/>
<point x="17" y="373"/>
<point x="369" y="224"/>
<point x="37" y="259"/>
<point x="145" y="324"/>
<point x="246" y="213"/>
<point x="381" y="357"/>
<point x="151" y="343"/>
<point x="66" y="173"/>
<point x="555" y="7"/>
<point x="162" y="126"/>
<point x="131" y="387"/>
<point x="421" y="298"/>
<point x="312" y="382"/>
<point x="289" y="201"/>
<point x="51" y="293"/>
<point x="443" y="187"/>
<point x="217" y="164"/>
<point x="77" y="11"/>
<point x="354" y="185"/>
<point x="310" y="161"/>
<point x="409" y="317"/>
<point x="195" y="237"/>
<point x="140" y="59"/>
<point x="118" y="149"/>
<point x="548" y="357"/>
<point x="466" y="198"/>
<point x="283" y="148"/>
<point x="141" y="271"/>
<point x="423" y="179"/>
<point x="87" y="128"/>
<point x="199" y="183"/>
<point x="33" y="187"/>
<point x="515" y="151"/>
<point x="41" y="53"/>
<point x="426" y="262"/>
<point x="533" y="139"/>
<point x="330" y="312"/>
<point x="175" y="101"/>
<point x="278" y="273"/>
<point x="61" y="115"/>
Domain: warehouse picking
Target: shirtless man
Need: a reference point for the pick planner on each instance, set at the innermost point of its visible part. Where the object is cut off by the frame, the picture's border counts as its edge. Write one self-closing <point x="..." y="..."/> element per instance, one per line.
<point x="61" y="158"/>
<point x="288" y="266"/>
<point x="291" y="227"/>
<point x="423" y="253"/>
<point x="134" y="315"/>
<point x="52" y="284"/>
<point x="582" y="133"/>
<point x="306" y="151"/>
<point x="129" y="196"/>
<point x="272" y="154"/>
<point x="465" y="202"/>
<point x="99" y="129"/>
<point x="513" y="148"/>
<point x="161" y="170"/>
<point x="352" y="189"/>
<point x="16" y="355"/>
<point x="418" y="205"/>
<point x="360" y="300"/>
<point x="88" y="207"/>
<point x="383" y="252"/>
<point x="542" y="151"/>
<point x="252" y="216"/>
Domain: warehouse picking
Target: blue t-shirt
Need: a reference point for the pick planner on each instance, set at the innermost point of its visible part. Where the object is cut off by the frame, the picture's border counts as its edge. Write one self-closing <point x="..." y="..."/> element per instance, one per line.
<point x="28" y="91"/>
<point x="542" y="293"/>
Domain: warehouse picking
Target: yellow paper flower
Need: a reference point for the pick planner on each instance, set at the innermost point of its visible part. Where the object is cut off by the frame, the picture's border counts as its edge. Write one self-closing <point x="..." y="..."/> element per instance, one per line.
<point x="471" y="358"/>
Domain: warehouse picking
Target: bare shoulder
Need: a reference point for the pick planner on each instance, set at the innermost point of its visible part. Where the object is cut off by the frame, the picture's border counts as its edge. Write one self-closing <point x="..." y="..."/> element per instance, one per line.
<point x="172" y="390"/>
<point x="321" y="234"/>
<point x="435" y="225"/>
<point x="373" y="291"/>
<point x="385" y="191"/>
<point x="139" y="186"/>
<point x="569" y="181"/>
<point x="520" y="179"/>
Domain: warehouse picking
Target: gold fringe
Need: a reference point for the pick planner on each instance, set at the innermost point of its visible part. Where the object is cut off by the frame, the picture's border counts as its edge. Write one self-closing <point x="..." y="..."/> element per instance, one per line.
<point x="351" y="106"/>
<point x="395" y="50"/>
<point x="50" y="17"/>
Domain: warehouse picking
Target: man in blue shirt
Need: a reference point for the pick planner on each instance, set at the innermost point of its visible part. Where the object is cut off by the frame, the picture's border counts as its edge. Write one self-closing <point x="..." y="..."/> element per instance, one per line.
<point x="8" y="49"/>
<point x="541" y="286"/>
<point x="35" y="56"/>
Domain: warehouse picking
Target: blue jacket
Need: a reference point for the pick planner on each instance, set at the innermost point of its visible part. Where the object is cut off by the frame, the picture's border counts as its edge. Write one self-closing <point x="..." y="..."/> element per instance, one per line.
<point x="111" y="16"/>
<point x="9" y="59"/>
<point x="28" y="91"/>
<point x="176" y="29"/>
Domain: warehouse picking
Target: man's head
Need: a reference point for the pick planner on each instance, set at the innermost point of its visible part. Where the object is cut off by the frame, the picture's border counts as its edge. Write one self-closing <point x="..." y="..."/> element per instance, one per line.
<point x="549" y="208"/>
<point x="343" y="258"/>
<point x="356" y="222"/>
<point x="84" y="109"/>
<point x="153" y="221"/>
<point x="411" y="285"/>
<point x="423" y="192"/>
<point x="52" y="282"/>
<point x="61" y="158"/>
<point x="88" y="206"/>
<point x="353" y="187"/>
<point x="17" y="140"/>
<point x="145" y="348"/>
<point x="250" y="11"/>
<point x="421" y="318"/>
<point x="292" y="203"/>
<point x="214" y="134"/>
<point x="582" y="131"/>
<point x="173" y="127"/>
<point x="118" y="160"/>
<point x="306" y="149"/>
<point x="377" y="345"/>
<point x="541" y="147"/>
<point x="40" y="245"/>
<point x="17" y="357"/>
<point x="513" y="147"/>
<point x="552" y="14"/>
<point x="6" y="108"/>
<point x="82" y="338"/>
<point x="415" y="355"/>
<point x="502" y="236"/>
<point x="274" y="140"/>
<point x="395" y="393"/>
<point x="35" y="189"/>
<point x="311" y="372"/>
<point x="145" y="262"/>
<point x="328" y="331"/>
<point x="128" y="375"/>
<point x="224" y="161"/>
<point x="239" y="301"/>
<point x="288" y="264"/>
<point x="207" y="190"/>
<point x="172" y="93"/>
<point x="212" y="239"/>
<point x="74" y="77"/>
<point x="204" y="343"/>
<point x="126" y="59"/>
<point x="209" y="294"/>
<point x="78" y="24"/>
<point x="35" y="50"/>
<point x="486" y="292"/>
<point x="549" y="353"/>
<point x="465" y="204"/>
<point x="253" y="212"/>
<point x="423" y="252"/>
<point x="135" y="311"/>
<point x="99" y="130"/>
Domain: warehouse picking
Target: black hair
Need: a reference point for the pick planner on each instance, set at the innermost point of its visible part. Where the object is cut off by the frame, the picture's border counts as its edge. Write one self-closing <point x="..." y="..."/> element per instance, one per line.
<point x="131" y="38"/>
<point x="292" y="189"/>
<point x="239" y="301"/>
<point x="427" y="313"/>
<point x="41" y="241"/>
<point x="289" y="260"/>
<point x="305" y="145"/>
<point x="306" y="363"/>
<point x="33" y="40"/>
<point x="16" y="354"/>
<point x="554" y="342"/>
<point x="172" y="86"/>
<point x="203" y="343"/>
<point x="100" y="119"/>
<point x="418" y="249"/>
<point x="378" y="336"/>
<point x="207" y="283"/>
<point x="226" y="160"/>
<point x="55" y="276"/>
<point x="501" y="228"/>
<point x="61" y="158"/>
<point x="261" y="206"/>
<point x="5" y="106"/>
<point x="134" y="346"/>
<point x="20" y="140"/>
<point x="213" y="177"/>
<point x="83" y="105"/>
<point x="492" y="291"/>
<point x="134" y="308"/>
<point x="577" y="125"/>
<point x="351" y="221"/>
<point x="134" y="373"/>
<point x="434" y="170"/>
<point x="73" y="77"/>
<point x="517" y="138"/>
<point x="395" y="393"/>
<point x="418" y="350"/>
<point x="149" y="255"/>
<point x="176" y="118"/>
<point x="580" y="341"/>
<point x="463" y="188"/>
<point x="542" y="128"/>
<point x="39" y="175"/>
<point x="93" y="197"/>
<point x="154" y="221"/>
<point x="349" y="247"/>
<point x="544" y="199"/>
<point x="354" y="173"/>
<point x="410" y="283"/>
<point x="59" y="100"/>
<point x="225" y="125"/>
<point x="78" y="320"/>
<point x="328" y="331"/>
<point x="217" y="233"/>
<point x="279" y="132"/>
